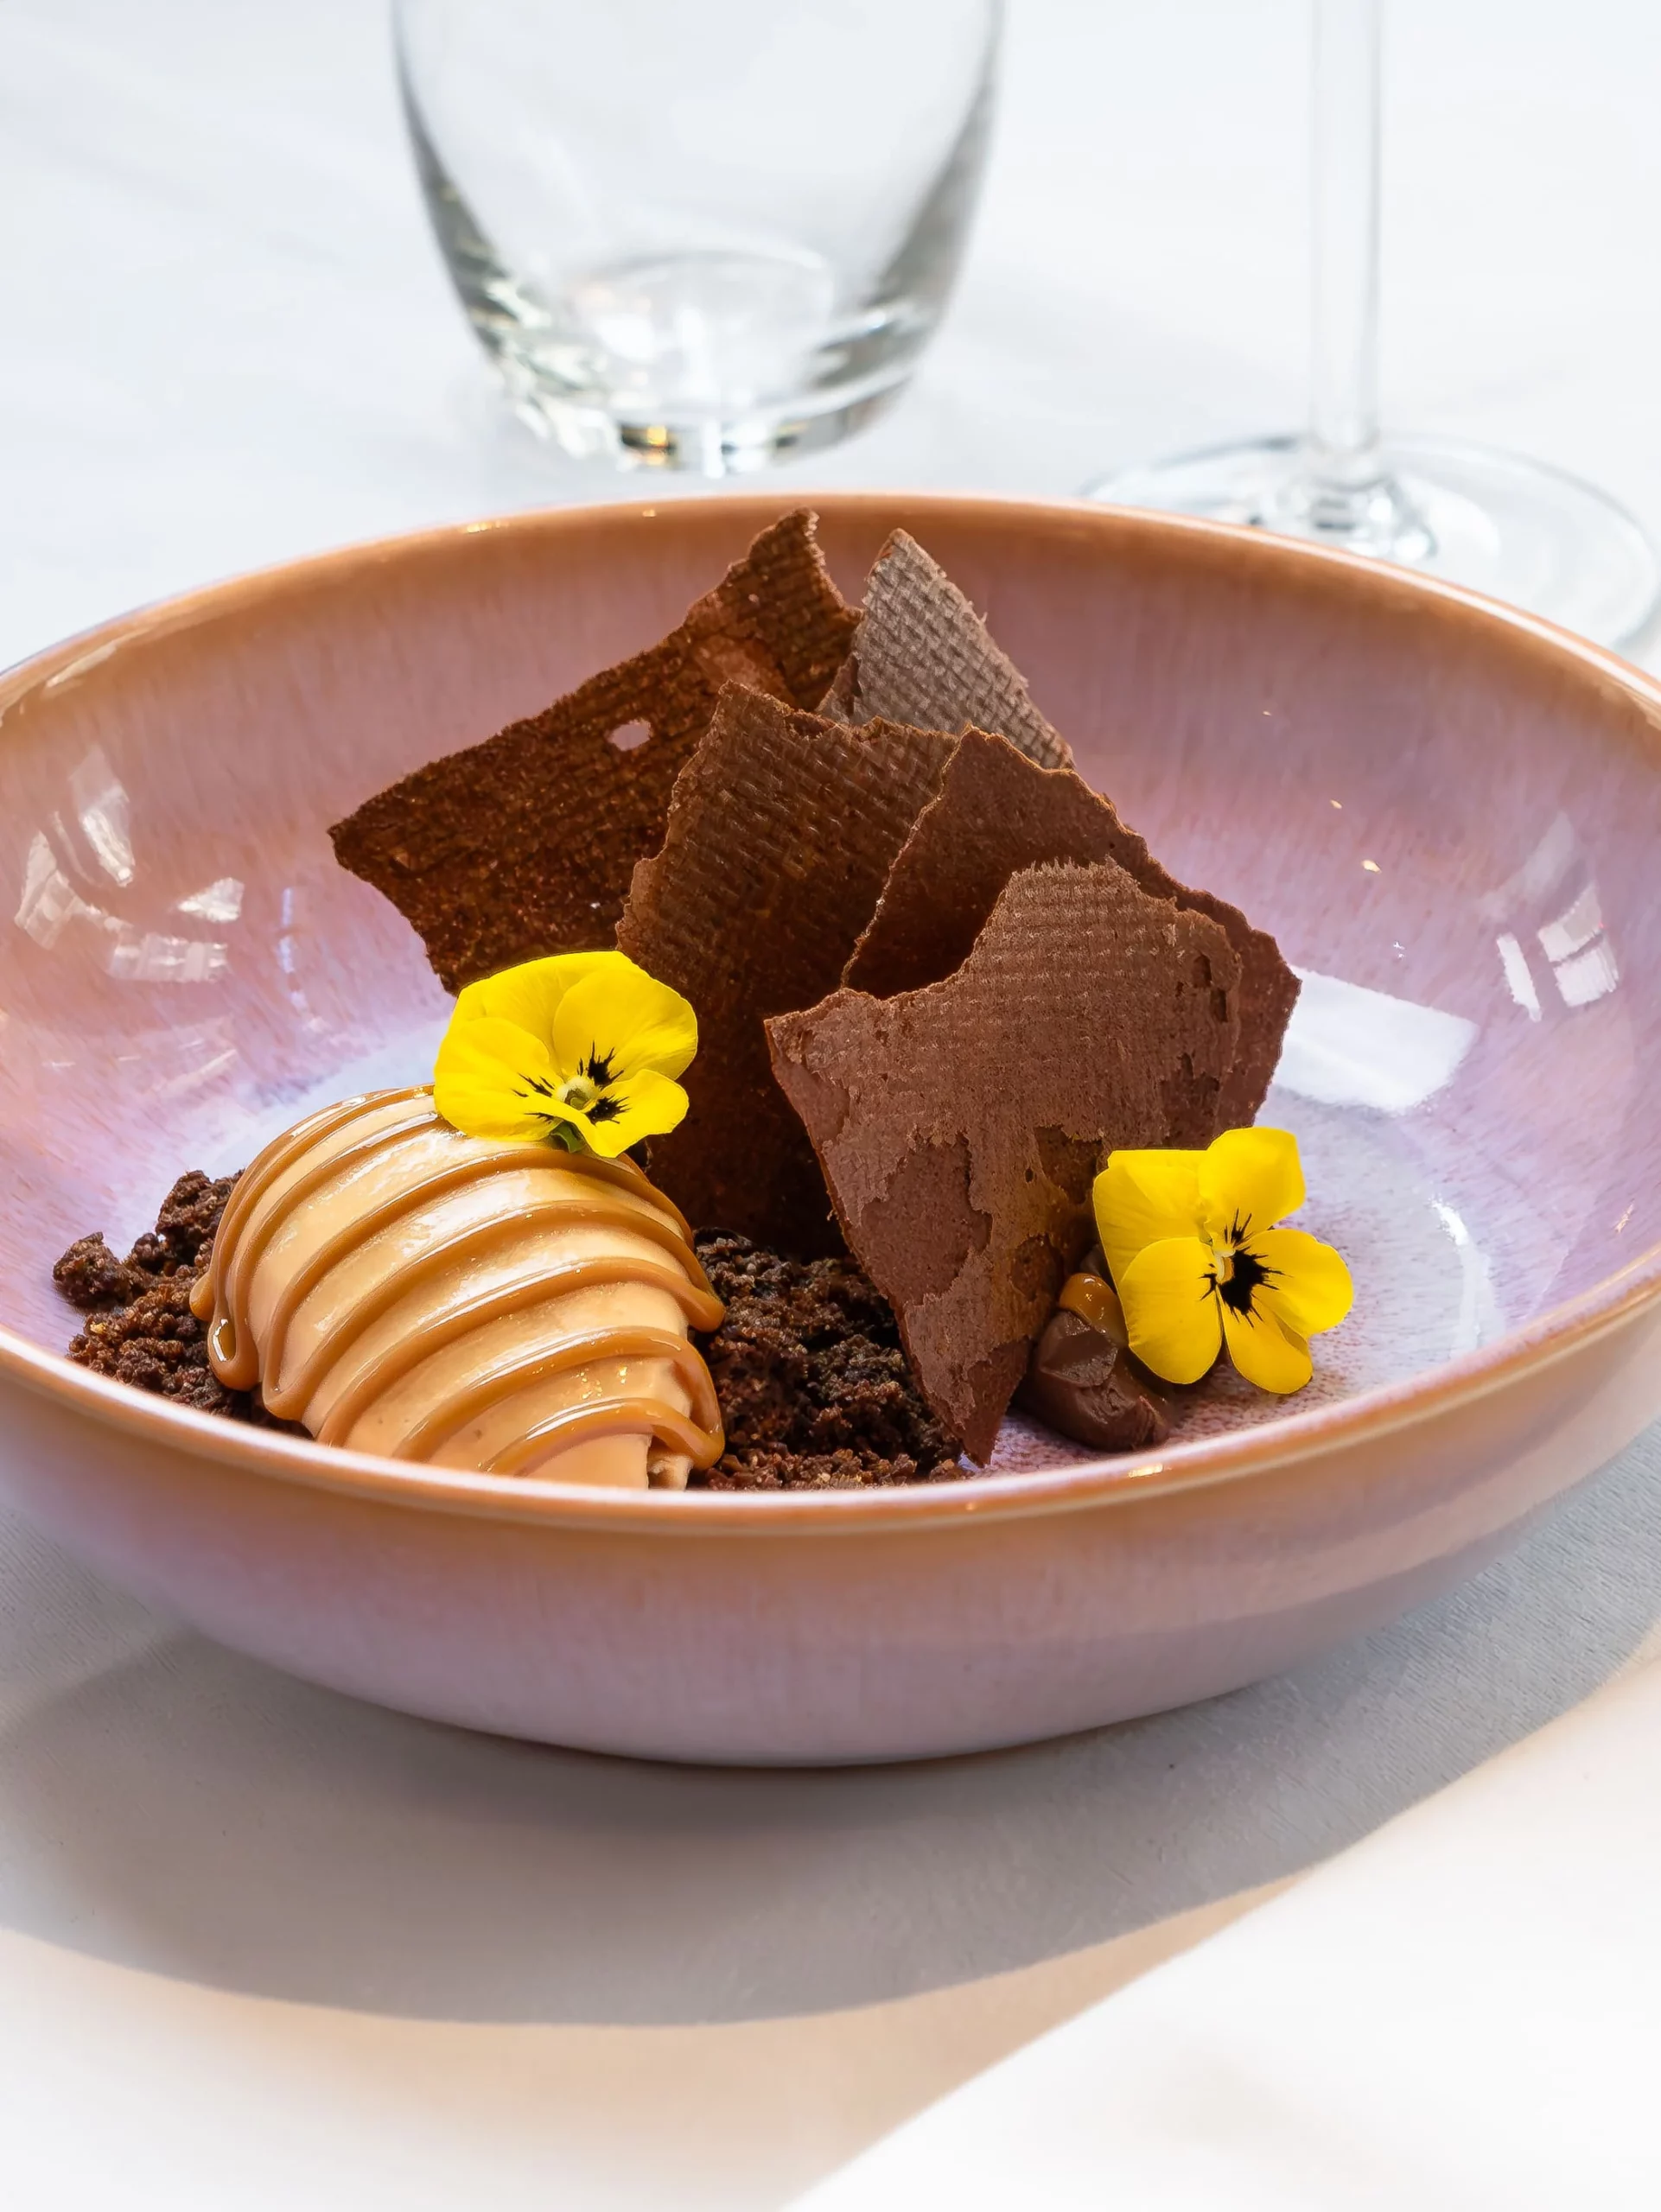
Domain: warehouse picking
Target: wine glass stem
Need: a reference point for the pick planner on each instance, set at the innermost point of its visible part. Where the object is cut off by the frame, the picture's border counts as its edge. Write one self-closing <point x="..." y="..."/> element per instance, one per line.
<point x="1344" y="369"/>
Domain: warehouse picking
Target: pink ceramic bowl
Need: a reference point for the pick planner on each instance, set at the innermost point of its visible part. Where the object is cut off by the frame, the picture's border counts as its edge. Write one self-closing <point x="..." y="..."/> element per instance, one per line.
<point x="1450" y="815"/>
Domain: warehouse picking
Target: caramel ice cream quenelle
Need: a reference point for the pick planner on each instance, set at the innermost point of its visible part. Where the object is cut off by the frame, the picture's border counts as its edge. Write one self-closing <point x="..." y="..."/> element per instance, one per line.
<point x="402" y="1289"/>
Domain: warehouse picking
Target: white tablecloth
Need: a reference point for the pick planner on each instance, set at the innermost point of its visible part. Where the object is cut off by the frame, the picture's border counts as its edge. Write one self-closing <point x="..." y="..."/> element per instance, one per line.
<point x="1455" y="2016"/>
<point x="260" y="1947"/>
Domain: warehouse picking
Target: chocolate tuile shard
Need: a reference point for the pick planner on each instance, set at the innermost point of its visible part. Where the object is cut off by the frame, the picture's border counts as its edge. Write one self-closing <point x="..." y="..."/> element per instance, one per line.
<point x="922" y="656"/>
<point x="996" y="812"/>
<point x="780" y="836"/>
<point x="523" y="845"/>
<point x="1268" y="992"/>
<point x="959" y="1127"/>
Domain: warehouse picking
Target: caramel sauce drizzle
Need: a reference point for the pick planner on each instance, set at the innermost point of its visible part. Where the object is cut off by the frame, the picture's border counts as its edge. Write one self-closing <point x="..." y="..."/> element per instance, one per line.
<point x="441" y="1329"/>
<point x="487" y="1391"/>
<point x="620" y="1197"/>
<point x="1095" y="1301"/>
<point x="608" y="1417"/>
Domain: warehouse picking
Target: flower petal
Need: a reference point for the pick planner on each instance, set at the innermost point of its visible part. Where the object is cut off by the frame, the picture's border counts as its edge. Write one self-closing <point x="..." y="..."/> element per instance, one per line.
<point x="1142" y="1197"/>
<point x="1309" y="1287"/>
<point x="624" y="1017"/>
<point x="1249" y="1179"/>
<point x="650" y="1106"/>
<point x="531" y="994"/>
<point x="486" y="1080"/>
<point x="1265" y="1353"/>
<point x="1171" y="1308"/>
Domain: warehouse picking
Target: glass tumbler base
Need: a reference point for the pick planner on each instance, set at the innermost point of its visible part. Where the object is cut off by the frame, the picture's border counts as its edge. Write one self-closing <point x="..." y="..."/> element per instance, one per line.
<point x="1494" y="521"/>
<point x="702" y="446"/>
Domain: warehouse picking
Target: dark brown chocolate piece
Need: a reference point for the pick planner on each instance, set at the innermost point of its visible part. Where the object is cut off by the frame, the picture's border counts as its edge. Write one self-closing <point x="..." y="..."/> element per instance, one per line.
<point x="142" y="1330"/>
<point x="779" y="839"/>
<point x="1085" y="1381"/>
<point x="997" y="811"/>
<point x="923" y="656"/>
<point x="960" y="1127"/>
<point x="523" y="845"/>
<point x="814" y="1389"/>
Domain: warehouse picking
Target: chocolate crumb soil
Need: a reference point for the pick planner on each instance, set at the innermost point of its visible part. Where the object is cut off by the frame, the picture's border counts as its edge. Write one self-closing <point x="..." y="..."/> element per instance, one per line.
<point x="141" y="1330"/>
<point x="815" y="1390"/>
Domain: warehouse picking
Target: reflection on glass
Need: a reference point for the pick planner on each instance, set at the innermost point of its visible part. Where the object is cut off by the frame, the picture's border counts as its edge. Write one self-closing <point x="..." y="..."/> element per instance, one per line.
<point x="1479" y="1319"/>
<point x="50" y="904"/>
<point x="1347" y="1046"/>
<point x="1519" y="977"/>
<point x="1575" y="952"/>
<point x="101" y="804"/>
<point x="1591" y="975"/>
<point x="220" y="901"/>
<point x="1575" y="928"/>
<point x="153" y="958"/>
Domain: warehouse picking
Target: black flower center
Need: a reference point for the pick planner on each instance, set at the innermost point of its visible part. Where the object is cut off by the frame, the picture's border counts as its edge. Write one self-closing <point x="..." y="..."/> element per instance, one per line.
<point x="1246" y="1275"/>
<point x="589" y="1092"/>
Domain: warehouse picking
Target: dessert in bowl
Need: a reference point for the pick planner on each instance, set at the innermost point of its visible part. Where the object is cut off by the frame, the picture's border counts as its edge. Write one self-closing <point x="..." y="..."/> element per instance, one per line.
<point x="1441" y="813"/>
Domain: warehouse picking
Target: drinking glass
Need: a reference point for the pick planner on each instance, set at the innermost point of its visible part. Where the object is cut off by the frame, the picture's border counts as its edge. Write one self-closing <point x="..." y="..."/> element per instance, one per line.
<point x="1506" y="525"/>
<point x="700" y="234"/>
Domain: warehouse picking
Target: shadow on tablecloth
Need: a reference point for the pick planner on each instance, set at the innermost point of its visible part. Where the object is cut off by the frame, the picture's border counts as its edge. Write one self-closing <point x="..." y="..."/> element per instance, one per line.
<point x="168" y="1805"/>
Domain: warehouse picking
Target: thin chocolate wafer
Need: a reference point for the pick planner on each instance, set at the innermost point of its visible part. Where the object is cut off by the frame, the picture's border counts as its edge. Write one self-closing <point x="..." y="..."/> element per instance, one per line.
<point x="780" y="836"/>
<point x="524" y="845"/>
<point x="923" y="656"/>
<point x="960" y="1127"/>
<point x="996" y="812"/>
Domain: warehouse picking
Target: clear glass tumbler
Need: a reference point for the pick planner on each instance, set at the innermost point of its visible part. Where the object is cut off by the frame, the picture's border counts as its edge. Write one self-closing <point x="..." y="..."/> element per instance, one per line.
<point x="700" y="234"/>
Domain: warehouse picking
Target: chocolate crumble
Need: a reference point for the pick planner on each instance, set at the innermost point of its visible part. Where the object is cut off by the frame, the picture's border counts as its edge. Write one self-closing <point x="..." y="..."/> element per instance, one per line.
<point x="815" y="1390"/>
<point x="141" y="1330"/>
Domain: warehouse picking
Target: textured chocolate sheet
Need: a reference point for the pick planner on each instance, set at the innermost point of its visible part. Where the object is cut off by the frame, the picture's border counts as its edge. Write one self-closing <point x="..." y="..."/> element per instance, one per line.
<point x="959" y="1127"/>
<point x="996" y="812"/>
<point x="923" y="656"/>
<point x="523" y="845"/>
<point x="781" y="834"/>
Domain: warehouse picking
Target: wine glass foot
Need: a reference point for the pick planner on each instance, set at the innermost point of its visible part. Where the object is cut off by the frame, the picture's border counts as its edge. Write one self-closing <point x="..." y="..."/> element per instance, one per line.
<point x="1497" y="522"/>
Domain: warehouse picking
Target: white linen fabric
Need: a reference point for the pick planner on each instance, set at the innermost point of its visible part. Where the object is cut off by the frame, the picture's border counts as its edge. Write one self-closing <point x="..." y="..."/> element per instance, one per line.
<point x="260" y="1947"/>
<point x="1456" y="2016"/>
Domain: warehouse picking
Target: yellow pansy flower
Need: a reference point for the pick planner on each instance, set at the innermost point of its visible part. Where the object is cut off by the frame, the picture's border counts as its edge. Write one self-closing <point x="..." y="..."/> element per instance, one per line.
<point x="1193" y="1246"/>
<point x="581" y="1050"/>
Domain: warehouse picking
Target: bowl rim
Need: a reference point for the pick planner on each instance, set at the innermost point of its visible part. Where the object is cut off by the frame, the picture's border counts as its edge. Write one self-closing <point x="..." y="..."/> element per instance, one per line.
<point x="1433" y="1394"/>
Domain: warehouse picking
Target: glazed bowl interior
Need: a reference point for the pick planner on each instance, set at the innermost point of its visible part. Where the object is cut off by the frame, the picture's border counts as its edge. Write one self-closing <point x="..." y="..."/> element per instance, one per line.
<point x="1448" y="817"/>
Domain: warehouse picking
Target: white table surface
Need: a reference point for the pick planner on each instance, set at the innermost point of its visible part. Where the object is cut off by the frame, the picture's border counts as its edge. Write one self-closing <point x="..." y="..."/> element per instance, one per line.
<point x="260" y="1947"/>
